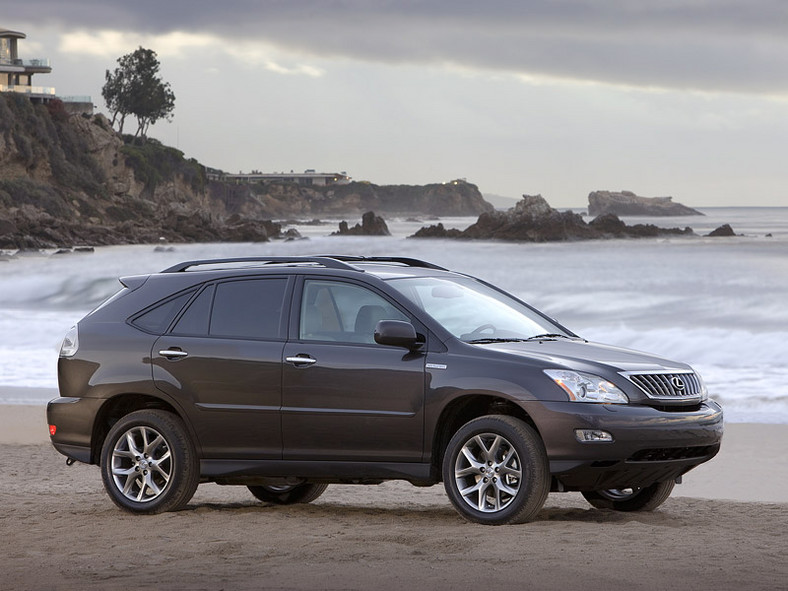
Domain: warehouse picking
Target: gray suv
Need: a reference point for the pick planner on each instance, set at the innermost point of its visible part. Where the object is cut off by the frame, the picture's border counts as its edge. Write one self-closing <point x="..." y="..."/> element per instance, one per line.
<point x="286" y="375"/>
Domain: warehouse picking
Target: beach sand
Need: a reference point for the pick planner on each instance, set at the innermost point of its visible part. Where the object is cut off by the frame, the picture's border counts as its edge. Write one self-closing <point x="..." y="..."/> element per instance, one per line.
<point x="59" y="530"/>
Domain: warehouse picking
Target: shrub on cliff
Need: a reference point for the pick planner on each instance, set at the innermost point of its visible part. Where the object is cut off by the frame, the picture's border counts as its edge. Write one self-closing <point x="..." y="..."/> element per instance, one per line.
<point x="154" y="163"/>
<point x="38" y="135"/>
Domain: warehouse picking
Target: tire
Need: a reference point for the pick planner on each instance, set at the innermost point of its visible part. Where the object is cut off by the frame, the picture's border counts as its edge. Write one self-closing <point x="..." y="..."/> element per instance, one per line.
<point x="631" y="499"/>
<point x="148" y="463"/>
<point x="509" y="450"/>
<point x="288" y="494"/>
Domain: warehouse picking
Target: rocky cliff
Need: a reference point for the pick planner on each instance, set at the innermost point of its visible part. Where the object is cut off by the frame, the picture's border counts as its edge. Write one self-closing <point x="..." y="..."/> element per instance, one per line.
<point x="627" y="203"/>
<point x="71" y="179"/>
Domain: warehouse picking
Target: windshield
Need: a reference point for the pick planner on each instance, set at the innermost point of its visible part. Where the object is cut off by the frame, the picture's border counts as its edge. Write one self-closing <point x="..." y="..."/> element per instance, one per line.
<point x="473" y="312"/>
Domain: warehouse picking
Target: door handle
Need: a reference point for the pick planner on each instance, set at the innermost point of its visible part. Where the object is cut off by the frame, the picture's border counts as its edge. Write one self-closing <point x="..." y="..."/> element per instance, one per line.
<point x="298" y="360"/>
<point x="173" y="353"/>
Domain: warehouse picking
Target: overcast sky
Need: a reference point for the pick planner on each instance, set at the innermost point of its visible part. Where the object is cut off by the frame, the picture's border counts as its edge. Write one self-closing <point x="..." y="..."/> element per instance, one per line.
<point x="687" y="98"/>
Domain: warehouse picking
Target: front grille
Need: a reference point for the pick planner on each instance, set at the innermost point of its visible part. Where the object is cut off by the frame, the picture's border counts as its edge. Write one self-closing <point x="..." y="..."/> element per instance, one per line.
<point x="674" y="453"/>
<point x="667" y="385"/>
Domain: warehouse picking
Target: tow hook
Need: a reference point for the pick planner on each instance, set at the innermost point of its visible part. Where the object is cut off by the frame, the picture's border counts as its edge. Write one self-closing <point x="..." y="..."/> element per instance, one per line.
<point x="70" y="461"/>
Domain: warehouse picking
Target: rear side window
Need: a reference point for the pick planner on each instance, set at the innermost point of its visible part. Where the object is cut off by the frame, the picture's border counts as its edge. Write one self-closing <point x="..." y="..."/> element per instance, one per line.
<point x="248" y="309"/>
<point x="158" y="318"/>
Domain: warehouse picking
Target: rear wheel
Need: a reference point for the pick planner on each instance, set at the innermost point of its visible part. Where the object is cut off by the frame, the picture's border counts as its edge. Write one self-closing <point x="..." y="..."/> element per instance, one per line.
<point x="495" y="471"/>
<point x="631" y="499"/>
<point x="148" y="463"/>
<point x="288" y="494"/>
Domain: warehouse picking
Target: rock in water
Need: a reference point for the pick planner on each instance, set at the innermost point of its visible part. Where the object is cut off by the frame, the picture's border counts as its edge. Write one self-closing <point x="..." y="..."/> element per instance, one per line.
<point x="371" y="225"/>
<point x="533" y="220"/>
<point x="627" y="203"/>
<point x="723" y="230"/>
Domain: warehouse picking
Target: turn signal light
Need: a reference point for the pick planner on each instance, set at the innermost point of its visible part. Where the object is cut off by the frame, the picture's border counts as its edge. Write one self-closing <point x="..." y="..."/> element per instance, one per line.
<point x="52" y="429"/>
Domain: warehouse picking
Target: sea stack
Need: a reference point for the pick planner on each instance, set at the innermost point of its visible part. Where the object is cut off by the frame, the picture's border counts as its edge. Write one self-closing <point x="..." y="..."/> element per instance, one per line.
<point x="627" y="203"/>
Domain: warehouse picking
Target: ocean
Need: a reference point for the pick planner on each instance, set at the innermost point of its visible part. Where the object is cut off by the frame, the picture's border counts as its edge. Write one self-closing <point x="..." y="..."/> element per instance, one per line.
<point x="720" y="304"/>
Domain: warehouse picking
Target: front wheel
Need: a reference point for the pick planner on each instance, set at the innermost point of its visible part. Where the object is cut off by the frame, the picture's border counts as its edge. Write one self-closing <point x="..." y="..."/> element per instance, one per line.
<point x="148" y="463"/>
<point x="495" y="471"/>
<point x="288" y="494"/>
<point x="631" y="499"/>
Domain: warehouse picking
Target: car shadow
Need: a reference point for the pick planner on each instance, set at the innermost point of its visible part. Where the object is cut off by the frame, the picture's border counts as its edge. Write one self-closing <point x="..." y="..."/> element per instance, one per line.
<point x="433" y="514"/>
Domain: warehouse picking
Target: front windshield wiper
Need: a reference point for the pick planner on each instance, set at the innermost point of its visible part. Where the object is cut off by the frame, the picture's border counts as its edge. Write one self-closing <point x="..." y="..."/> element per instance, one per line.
<point x="549" y="335"/>
<point x="518" y="340"/>
<point x="495" y="340"/>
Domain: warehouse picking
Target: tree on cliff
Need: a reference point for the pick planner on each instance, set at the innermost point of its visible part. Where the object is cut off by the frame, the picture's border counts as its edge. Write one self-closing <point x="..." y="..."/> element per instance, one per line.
<point x="135" y="88"/>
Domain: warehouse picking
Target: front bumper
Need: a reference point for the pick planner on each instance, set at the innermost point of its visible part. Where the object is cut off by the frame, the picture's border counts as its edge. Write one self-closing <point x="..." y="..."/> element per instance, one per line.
<point x="649" y="445"/>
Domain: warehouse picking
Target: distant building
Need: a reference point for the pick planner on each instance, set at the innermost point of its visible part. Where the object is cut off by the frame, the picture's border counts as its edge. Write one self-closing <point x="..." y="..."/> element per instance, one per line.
<point x="16" y="75"/>
<point x="307" y="178"/>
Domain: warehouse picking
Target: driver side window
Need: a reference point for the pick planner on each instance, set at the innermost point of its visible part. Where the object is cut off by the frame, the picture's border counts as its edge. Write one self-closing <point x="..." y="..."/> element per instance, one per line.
<point x="342" y="312"/>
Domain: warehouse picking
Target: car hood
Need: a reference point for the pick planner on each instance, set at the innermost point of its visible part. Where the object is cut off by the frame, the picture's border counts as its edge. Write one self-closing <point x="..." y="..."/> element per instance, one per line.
<point x="583" y="355"/>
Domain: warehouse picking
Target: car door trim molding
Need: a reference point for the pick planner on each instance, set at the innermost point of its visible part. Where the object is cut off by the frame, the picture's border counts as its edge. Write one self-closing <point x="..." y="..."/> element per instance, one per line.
<point x="238" y="407"/>
<point x="347" y="411"/>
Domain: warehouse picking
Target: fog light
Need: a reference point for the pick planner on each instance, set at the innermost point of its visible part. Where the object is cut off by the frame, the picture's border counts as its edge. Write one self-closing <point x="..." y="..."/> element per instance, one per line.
<point x="586" y="435"/>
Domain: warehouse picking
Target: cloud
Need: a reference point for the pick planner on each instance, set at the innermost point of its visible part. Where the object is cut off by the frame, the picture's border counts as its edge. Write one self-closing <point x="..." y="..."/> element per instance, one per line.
<point x="727" y="45"/>
<point x="111" y="44"/>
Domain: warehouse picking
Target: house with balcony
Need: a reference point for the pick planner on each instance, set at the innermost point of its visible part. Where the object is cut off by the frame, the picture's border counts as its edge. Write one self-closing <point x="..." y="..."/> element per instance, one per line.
<point x="16" y="75"/>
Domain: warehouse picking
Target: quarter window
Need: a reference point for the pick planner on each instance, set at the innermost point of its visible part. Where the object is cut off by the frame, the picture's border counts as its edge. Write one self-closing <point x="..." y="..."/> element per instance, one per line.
<point x="158" y="318"/>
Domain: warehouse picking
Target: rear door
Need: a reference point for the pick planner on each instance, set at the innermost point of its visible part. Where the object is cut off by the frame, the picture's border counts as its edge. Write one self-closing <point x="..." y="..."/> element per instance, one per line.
<point x="223" y="360"/>
<point x="344" y="396"/>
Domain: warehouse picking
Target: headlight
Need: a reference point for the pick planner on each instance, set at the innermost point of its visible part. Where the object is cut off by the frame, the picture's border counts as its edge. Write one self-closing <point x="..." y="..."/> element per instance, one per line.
<point x="586" y="387"/>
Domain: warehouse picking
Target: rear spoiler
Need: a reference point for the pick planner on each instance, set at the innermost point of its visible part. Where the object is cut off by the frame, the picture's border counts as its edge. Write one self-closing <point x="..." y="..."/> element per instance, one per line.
<point x="132" y="282"/>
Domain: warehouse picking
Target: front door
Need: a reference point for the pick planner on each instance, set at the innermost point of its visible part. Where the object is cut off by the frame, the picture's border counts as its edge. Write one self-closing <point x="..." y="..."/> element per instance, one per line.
<point x="344" y="397"/>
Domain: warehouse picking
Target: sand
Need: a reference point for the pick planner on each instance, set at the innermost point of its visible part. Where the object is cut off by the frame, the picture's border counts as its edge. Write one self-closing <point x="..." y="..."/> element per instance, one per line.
<point x="59" y="530"/>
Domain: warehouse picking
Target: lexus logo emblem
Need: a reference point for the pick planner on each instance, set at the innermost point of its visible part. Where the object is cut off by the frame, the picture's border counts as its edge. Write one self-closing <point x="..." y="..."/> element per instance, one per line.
<point x="677" y="382"/>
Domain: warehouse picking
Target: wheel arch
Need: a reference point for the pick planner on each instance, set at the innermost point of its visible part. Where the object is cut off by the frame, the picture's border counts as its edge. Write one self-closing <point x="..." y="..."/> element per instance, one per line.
<point x="115" y="409"/>
<point x="465" y="408"/>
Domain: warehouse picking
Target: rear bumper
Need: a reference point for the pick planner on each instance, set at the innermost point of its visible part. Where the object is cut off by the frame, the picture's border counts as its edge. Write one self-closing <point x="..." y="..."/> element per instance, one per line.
<point x="649" y="445"/>
<point x="74" y="418"/>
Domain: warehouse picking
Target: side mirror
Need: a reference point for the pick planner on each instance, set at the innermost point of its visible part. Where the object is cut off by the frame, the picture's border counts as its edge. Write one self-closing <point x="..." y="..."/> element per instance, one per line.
<point x="397" y="334"/>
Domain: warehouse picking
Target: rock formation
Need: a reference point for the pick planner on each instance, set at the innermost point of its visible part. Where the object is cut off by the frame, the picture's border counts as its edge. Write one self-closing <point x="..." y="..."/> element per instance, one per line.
<point x="437" y="231"/>
<point x="627" y="203"/>
<point x="533" y="220"/>
<point x="371" y="225"/>
<point x="723" y="230"/>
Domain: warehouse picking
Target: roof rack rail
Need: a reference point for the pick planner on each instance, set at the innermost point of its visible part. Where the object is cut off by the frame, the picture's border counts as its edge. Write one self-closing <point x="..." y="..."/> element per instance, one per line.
<point x="410" y="262"/>
<point x="329" y="262"/>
